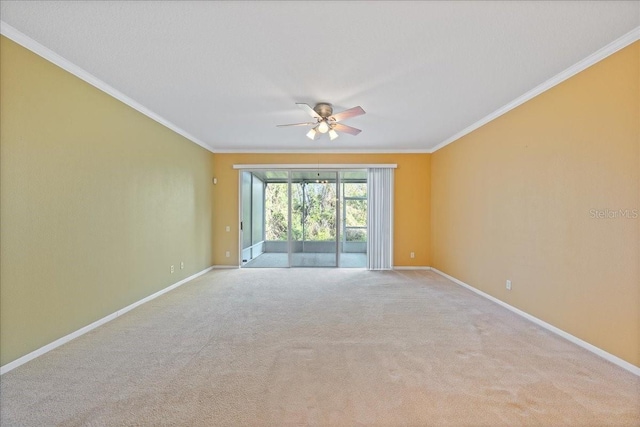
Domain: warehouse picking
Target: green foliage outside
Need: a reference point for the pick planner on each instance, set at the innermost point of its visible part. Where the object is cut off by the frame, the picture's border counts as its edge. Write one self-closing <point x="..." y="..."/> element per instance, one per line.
<point x="315" y="215"/>
<point x="275" y="207"/>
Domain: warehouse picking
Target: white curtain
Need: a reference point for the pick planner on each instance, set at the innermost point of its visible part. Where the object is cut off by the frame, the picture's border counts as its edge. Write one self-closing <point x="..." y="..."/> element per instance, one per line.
<point x="380" y="219"/>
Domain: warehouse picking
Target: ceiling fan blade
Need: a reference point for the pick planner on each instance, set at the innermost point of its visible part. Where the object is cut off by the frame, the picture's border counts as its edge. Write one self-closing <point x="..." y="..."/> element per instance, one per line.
<point x="309" y="110"/>
<point x="347" y="129"/>
<point x="297" y="124"/>
<point x="351" y="112"/>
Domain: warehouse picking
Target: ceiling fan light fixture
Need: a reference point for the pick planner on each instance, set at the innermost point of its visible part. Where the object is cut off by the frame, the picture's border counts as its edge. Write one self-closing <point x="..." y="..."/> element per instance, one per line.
<point x="325" y="121"/>
<point x="323" y="127"/>
<point x="312" y="134"/>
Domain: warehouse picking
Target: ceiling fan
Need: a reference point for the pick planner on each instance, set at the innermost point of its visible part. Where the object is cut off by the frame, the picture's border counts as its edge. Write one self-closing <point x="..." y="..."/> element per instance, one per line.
<point x="326" y="121"/>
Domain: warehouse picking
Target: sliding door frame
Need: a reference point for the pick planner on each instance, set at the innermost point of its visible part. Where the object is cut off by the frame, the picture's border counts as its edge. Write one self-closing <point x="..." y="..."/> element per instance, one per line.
<point x="289" y="220"/>
<point x="289" y="168"/>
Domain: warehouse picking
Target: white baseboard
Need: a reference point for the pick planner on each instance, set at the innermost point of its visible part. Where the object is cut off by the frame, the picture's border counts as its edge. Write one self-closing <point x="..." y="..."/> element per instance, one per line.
<point x="222" y="267"/>
<point x="57" y="343"/>
<point x="592" y="348"/>
<point x="411" y="267"/>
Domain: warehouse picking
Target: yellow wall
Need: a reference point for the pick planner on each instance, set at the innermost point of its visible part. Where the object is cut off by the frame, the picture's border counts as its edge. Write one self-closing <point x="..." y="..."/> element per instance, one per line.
<point x="411" y="216"/>
<point x="97" y="201"/>
<point x="513" y="200"/>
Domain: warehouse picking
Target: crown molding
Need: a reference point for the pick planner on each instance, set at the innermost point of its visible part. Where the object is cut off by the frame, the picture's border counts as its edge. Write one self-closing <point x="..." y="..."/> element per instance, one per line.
<point x="618" y="44"/>
<point x="321" y="151"/>
<point x="46" y="53"/>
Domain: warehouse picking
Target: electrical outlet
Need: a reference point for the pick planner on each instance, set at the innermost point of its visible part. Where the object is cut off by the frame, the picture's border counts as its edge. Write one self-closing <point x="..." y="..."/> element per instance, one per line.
<point x="228" y="254"/>
<point x="413" y="254"/>
<point x="228" y="228"/>
<point x="181" y="265"/>
<point x="508" y="285"/>
<point x="172" y="269"/>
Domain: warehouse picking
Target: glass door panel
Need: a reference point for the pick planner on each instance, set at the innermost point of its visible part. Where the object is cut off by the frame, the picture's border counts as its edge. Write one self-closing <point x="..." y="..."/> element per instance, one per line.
<point x="252" y="193"/>
<point x="353" y="241"/>
<point x="265" y="212"/>
<point x="314" y="224"/>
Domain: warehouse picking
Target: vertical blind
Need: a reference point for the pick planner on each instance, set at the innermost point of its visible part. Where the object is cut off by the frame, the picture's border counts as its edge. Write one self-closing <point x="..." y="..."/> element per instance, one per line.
<point x="380" y="219"/>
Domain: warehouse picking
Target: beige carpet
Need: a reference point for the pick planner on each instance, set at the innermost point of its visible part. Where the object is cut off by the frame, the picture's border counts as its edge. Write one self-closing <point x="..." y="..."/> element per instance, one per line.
<point x="319" y="347"/>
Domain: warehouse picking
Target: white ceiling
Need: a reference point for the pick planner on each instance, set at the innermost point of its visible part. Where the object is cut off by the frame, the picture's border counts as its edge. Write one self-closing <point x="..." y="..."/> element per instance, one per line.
<point x="229" y="72"/>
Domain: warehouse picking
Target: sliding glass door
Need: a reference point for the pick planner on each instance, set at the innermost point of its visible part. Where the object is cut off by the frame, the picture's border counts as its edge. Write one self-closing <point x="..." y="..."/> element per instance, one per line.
<point x="314" y="219"/>
<point x="304" y="218"/>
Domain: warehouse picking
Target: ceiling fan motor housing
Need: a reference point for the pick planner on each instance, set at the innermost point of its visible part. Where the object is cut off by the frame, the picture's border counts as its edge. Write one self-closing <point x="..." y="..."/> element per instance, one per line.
<point x="323" y="109"/>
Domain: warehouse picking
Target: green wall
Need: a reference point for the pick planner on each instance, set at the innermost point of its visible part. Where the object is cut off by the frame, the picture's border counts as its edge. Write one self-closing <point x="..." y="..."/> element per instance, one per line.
<point x="97" y="202"/>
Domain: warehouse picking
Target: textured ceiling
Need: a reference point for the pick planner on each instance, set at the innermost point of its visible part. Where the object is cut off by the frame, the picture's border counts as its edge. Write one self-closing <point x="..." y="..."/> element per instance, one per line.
<point x="229" y="72"/>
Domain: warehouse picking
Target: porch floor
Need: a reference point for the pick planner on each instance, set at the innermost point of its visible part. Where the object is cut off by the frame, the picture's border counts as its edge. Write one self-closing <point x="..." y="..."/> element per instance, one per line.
<point x="307" y="259"/>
